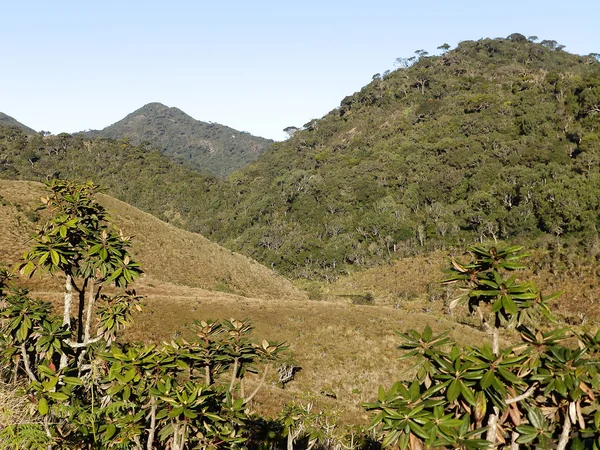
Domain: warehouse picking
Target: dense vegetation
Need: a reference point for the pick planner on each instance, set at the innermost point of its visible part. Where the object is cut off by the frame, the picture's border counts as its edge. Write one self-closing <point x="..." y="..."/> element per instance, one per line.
<point x="497" y="138"/>
<point x="138" y="175"/>
<point x="201" y="146"/>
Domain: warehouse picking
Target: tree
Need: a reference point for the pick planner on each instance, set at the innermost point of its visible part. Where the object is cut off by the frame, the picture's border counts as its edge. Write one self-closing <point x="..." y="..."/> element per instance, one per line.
<point x="105" y="394"/>
<point x="517" y="37"/>
<point x="421" y="53"/>
<point x="404" y="63"/>
<point x="551" y="44"/>
<point x="290" y="131"/>
<point x="444" y="48"/>
<point x="80" y="242"/>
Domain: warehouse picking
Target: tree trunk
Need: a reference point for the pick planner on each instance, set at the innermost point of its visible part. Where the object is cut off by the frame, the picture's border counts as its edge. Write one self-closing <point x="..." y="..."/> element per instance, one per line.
<point x="152" y="430"/>
<point x="68" y="301"/>
<point x="92" y="296"/>
<point x="566" y="432"/>
<point x="491" y="435"/>
<point x="207" y="377"/>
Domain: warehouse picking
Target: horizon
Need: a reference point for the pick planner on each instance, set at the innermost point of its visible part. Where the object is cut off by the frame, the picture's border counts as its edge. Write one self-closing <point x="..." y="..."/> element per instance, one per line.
<point x="255" y="68"/>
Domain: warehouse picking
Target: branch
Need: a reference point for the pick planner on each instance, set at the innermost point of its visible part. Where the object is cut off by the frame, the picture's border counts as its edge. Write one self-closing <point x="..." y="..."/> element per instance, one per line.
<point x="260" y="383"/>
<point x="528" y="393"/>
<point x="32" y="377"/>
<point x="234" y="374"/>
<point x="72" y="344"/>
<point x="491" y="435"/>
<point x="152" y="429"/>
<point x="566" y="431"/>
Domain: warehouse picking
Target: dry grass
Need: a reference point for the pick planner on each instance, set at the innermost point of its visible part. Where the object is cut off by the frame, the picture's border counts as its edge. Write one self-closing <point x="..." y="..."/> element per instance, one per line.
<point x="166" y="253"/>
<point x="413" y="284"/>
<point x="14" y="409"/>
<point x="345" y="351"/>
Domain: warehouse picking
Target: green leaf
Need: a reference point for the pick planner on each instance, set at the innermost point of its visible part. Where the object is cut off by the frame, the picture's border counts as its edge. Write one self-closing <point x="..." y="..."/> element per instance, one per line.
<point x="55" y="257"/>
<point x="453" y="391"/>
<point x="509" y="305"/>
<point x="130" y="375"/>
<point x="58" y="396"/>
<point x="487" y="379"/>
<point x="43" y="407"/>
<point x="467" y="393"/>
<point x="391" y="438"/>
<point x="110" y="431"/>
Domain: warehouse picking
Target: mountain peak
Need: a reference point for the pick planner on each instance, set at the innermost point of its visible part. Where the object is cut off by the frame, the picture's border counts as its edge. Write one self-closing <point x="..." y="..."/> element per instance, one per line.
<point x="201" y="146"/>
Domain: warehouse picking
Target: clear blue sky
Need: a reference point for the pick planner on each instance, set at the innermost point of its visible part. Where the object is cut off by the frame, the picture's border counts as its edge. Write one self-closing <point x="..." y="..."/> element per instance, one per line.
<point x="257" y="66"/>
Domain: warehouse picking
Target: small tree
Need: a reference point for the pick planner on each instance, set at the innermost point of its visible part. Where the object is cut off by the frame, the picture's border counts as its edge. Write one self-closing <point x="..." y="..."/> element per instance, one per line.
<point x="104" y="394"/>
<point x="531" y="394"/>
<point x="444" y="48"/>
<point x="79" y="242"/>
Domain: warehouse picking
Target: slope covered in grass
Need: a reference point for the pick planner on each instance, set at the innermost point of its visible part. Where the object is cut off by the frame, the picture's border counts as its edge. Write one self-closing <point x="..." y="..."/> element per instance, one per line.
<point x="166" y="253"/>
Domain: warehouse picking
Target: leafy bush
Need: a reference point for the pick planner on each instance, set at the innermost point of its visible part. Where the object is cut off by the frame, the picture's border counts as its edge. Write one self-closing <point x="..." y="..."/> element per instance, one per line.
<point x="541" y="390"/>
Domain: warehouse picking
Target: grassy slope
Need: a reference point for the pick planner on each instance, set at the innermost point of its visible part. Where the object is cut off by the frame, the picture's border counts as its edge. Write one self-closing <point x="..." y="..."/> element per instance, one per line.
<point x="327" y="339"/>
<point x="412" y="284"/>
<point x="167" y="253"/>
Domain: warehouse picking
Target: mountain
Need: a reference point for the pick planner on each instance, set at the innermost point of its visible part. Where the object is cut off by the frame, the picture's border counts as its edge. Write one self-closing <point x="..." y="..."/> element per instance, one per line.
<point x="496" y="139"/>
<point x="8" y="121"/>
<point x="201" y="146"/>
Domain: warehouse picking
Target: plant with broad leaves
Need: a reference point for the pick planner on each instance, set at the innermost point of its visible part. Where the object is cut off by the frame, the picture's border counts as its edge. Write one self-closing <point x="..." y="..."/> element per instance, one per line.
<point x="543" y="389"/>
<point x="79" y="241"/>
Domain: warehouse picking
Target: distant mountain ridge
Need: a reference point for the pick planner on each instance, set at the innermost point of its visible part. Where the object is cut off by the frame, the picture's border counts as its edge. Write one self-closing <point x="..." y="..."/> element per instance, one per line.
<point x="201" y="146"/>
<point x="8" y="121"/>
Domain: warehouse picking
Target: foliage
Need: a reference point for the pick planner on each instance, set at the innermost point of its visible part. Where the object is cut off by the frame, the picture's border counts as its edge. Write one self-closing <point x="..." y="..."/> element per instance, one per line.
<point x="495" y="139"/>
<point x="539" y="391"/>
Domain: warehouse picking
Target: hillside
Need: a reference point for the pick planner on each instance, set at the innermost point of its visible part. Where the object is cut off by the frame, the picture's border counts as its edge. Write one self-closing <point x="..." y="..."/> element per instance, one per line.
<point x="496" y="139"/>
<point x="188" y="278"/>
<point x="8" y="121"/>
<point x="168" y="254"/>
<point x="201" y="146"/>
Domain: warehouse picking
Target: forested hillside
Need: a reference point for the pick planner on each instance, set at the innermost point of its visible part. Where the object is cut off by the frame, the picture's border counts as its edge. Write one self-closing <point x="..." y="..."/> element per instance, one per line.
<point x="138" y="175"/>
<point x="201" y="146"/>
<point x="496" y="139"/>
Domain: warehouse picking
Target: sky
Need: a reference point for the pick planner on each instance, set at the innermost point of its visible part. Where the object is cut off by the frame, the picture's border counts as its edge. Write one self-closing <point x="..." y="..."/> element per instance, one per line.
<point x="257" y="66"/>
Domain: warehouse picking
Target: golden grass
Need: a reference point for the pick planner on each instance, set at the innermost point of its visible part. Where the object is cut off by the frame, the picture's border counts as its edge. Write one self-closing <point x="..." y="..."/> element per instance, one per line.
<point x="14" y="409"/>
<point x="345" y="351"/>
<point x="413" y="284"/>
<point x="166" y="253"/>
